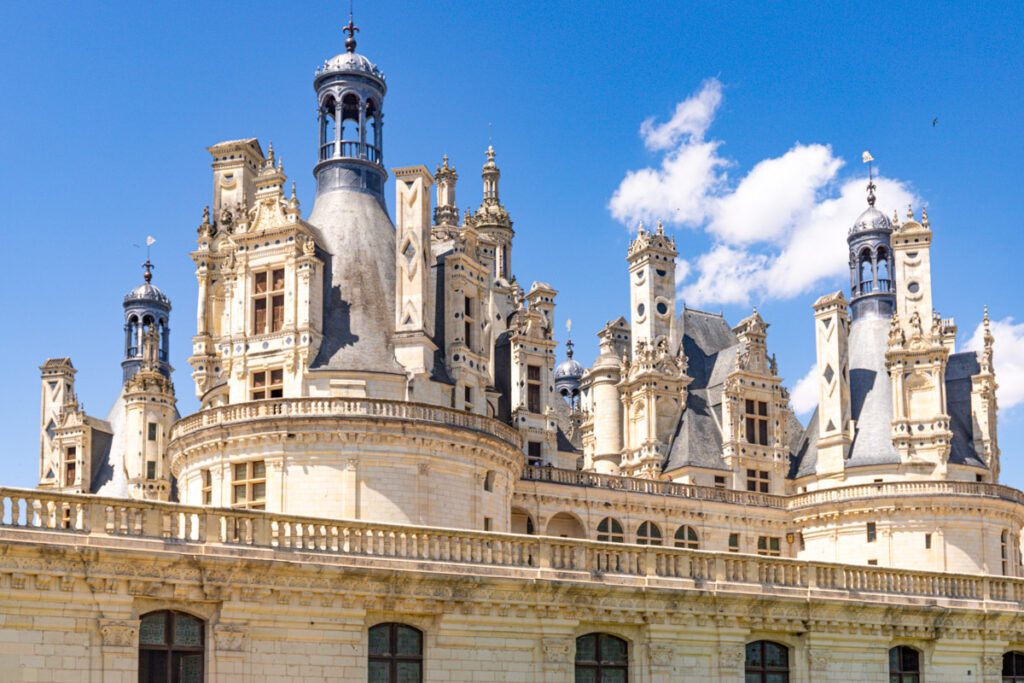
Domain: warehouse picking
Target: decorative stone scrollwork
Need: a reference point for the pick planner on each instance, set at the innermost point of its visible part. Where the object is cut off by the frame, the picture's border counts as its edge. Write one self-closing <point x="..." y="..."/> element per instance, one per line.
<point x="992" y="665"/>
<point x="556" y="650"/>
<point x="231" y="637"/>
<point x="119" y="633"/>
<point x="818" y="659"/>
<point x="661" y="654"/>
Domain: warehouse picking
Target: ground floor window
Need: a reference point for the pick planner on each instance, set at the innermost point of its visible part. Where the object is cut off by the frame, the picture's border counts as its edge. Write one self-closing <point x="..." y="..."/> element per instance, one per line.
<point x="170" y="648"/>
<point x="904" y="665"/>
<point x="601" y="658"/>
<point x="767" y="662"/>
<point x="395" y="654"/>
<point x="1013" y="667"/>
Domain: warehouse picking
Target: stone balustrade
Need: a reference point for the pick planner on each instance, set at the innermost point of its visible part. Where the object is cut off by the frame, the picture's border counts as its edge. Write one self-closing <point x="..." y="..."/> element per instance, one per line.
<point x="342" y="407"/>
<point x="84" y="520"/>
<point x="838" y="494"/>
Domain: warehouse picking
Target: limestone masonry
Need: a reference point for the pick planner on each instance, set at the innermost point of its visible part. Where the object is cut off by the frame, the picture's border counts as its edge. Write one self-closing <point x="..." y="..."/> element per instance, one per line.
<point x="390" y="479"/>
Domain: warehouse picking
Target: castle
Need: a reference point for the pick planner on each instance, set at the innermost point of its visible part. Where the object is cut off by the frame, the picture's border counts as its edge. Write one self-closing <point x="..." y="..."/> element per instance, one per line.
<point x="390" y="479"/>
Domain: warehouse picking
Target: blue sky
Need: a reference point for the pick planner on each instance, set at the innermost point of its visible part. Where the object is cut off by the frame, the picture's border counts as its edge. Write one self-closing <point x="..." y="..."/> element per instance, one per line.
<point x="108" y="108"/>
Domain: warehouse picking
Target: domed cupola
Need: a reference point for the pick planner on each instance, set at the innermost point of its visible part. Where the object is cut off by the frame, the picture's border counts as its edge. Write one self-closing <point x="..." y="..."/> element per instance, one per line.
<point x="350" y="92"/>
<point x="145" y="308"/>
<point x="871" y="263"/>
<point x="567" y="376"/>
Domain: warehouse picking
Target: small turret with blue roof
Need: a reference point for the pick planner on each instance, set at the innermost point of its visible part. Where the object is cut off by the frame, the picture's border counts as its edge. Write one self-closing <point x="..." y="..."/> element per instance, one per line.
<point x="145" y="307"/>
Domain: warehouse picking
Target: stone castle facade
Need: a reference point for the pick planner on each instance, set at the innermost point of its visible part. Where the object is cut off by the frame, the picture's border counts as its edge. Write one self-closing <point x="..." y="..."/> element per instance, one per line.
<point x="390" y="479"/>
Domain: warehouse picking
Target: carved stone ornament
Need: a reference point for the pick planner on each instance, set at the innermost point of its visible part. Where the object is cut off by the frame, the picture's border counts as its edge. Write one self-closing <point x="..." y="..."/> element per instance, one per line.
<point x="992" y="665"/>
<point x="731" y="656"/>
<point x="119" y="633"/>
<point x="818" y="659"/>
<point x="231" y="638"/>
<point x="661" y="653"/>
<point x="556" y="650"/>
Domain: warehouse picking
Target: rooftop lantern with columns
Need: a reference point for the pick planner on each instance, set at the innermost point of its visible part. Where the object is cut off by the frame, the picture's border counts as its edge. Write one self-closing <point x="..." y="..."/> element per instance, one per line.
<point x="871" y="262"/>
<point x="350" y="93"/>
<point x="146" y="307"/>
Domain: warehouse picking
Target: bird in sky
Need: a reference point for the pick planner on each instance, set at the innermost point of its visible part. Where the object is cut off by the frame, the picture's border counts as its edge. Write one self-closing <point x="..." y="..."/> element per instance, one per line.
<point x="934" y="121"/>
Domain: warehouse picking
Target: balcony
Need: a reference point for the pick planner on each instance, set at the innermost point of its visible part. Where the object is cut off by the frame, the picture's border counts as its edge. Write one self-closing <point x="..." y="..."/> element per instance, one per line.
<point x="277" y="408"/>
<point x="73" y="521"/>
<point x="351" y="149"/>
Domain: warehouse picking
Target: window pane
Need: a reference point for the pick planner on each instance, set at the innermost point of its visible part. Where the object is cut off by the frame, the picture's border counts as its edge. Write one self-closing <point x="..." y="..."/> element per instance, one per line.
<point x="762" y="408"/>
<point x="774" y="541"/>
<point x="277" y="376"/>
<point x="613" y="650"/>
<point x="909" y="659"/>
<point x="752" y="678"/>
<point x="278" y="282"/>
<point x="240" y="471"/>
<point x="775" y="656"/>
<point x="259" y="470"/>
<point x="408" y="672"/>
<point x="762" y="433"/>
<point x="187" y="631"/>
<point x="613" y="676"/>
<point x="754" y="655"/>
<point x="151" y="630"/>
<point x="153" y="666"/>
<point x="277" y="313"/>
<point x="378" y="672"/>
<point x="408" y="641"/>
<point x="259" y="491"/>
<point x="776" y="678"/>
<point x="259" y="379"/>
<point x="616" y="527"/>
<point x="239" y="494"/>
<point x="259" y="316"/>
<point x="586" y="675"/>
<point x="585" y="651"/>
<point x="260" y="282"/>
<point x="380" y="640"/>
<point x="749" y="405"/>
<point x="190" y="668"/>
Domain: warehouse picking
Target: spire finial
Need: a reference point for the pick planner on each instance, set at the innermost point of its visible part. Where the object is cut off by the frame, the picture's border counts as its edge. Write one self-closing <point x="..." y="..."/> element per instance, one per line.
<point x="910" y="212"/>
<point x="351" y="29"/>
<point x="986" y="316"/>
<point x="924" y="217"/>
<point x="661" y="228"/>
<point x="867" y="159"/>
<point x="149" y="267"/>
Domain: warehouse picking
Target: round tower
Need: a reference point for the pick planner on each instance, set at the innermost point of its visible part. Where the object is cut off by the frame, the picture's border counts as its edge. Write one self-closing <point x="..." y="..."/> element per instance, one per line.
<point x="567" y="377"/>
<point x="871" y="263"/>
<point x="146" y="307"/>
<point x="351" y="216"/>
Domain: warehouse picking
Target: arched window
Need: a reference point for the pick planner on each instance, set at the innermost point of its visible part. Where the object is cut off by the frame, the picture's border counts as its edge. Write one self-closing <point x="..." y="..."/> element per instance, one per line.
<point x="882" y="259"/>
<point x="686" y="537"/>
<point x="648" y="534"/>
<point x="866" y="276"/>
<point x="767" y="662"/>
<point x="601" y="658"/>
<point x="1013" y="667"/>
<point x="395" y="654"/>
<point x="489" y="480"/>
<point x="610" y="530"/>
<point x="904" y="665"/>
<point x="170" y="648"/>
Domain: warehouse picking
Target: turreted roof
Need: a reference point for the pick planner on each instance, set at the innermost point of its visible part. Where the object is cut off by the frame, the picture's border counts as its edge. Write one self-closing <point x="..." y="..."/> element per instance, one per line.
<point x="147" y="291"/>
<point x="871" y="220"/>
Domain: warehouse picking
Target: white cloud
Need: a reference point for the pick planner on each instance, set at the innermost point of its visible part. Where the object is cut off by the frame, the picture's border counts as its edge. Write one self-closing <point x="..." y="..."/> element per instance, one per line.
<point x="804" y="397"/>
<point x="1008" y="358"/>
<point x="777" y="232"/>
<point x="692" y="118"/>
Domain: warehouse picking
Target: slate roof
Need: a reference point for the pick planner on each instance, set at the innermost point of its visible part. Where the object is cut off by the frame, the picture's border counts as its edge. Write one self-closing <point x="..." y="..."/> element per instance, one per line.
<point x="710" y="347"/>
<point x="959" y="369"/>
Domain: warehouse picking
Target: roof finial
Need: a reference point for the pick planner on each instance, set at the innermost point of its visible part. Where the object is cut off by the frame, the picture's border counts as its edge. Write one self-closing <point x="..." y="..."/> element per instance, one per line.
<point x="867" y="159"/>
<point x="148" y="266"/>
<point x="924" y="217"/>
<point x="351" y="30"/>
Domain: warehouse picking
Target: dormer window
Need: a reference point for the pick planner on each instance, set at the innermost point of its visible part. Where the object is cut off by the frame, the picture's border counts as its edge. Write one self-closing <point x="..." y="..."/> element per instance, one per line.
<point x="268" y="301"/>
<point x="756" y="420"/>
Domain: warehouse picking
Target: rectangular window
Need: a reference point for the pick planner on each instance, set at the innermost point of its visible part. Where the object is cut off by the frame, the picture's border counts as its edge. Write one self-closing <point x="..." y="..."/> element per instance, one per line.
<point x="979" y="478"/>
<point x="872" y="532"/>
<point x="719" y="482"/>
<point x="533" y="456"/>
<point x="756" y="421"/>
<point x="69" y="465"/>
<point x="151" y="469"/>
<point x="758" y="481"/>
<point x="268" y="301"/>
<point x="927" y="541"/>
<point x="468" y="395"/>
<point x="873" y="563"/>
<point x="467" y="316"/>
<point x="152" y="431"/>
<point x="533" y="388"/>
<point x="734" y="543"/>
<point x="769" y="545"/>
<point x="487" y="523"/>
<point x="207" y="487"/>
<point x="267" y="384"/>
<point x="249" y="485"/>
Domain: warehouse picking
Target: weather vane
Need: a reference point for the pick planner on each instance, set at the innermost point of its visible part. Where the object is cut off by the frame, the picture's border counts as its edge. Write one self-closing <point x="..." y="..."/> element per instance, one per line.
<point x="867" y="159"/>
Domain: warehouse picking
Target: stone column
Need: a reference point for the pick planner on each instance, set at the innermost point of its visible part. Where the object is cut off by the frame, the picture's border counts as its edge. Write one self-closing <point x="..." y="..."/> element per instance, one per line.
<point x="120" y="648"/>
<point x="337" y="129"/>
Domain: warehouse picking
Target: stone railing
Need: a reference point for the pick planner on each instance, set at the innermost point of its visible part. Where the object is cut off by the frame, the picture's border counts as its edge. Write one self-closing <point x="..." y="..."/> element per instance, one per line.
<point x="653" y="486"/>
<point x="342" y="407"/>
<point x="51" y="520"/>
<point x="832" y="495"/>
